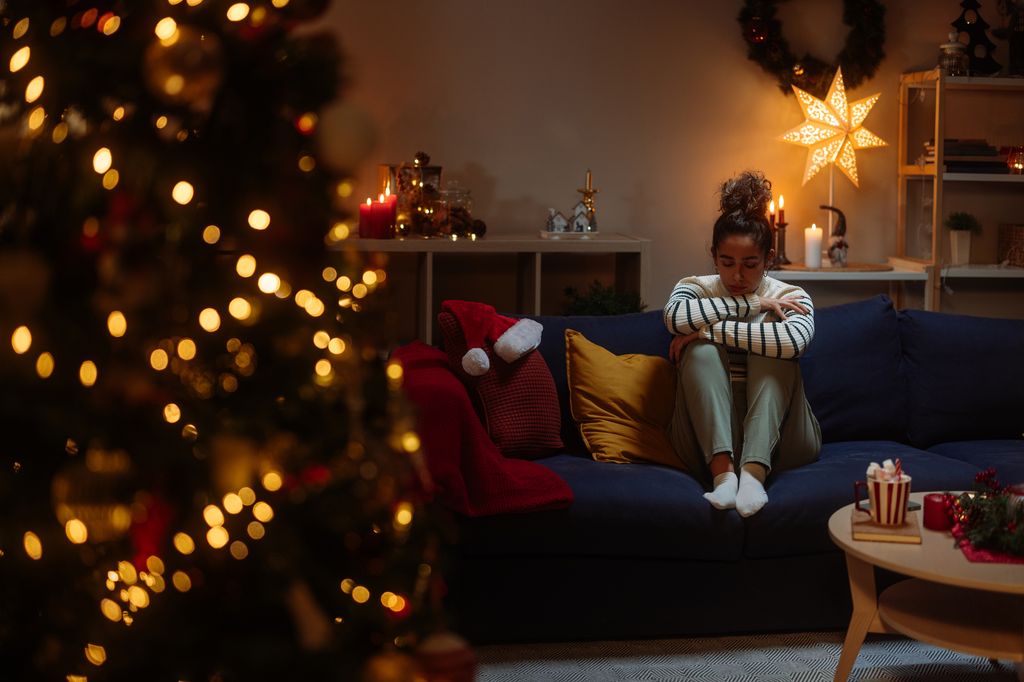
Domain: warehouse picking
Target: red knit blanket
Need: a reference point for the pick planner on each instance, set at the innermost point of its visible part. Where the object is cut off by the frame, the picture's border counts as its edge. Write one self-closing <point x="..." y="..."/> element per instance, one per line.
<point x="470" y="474"/>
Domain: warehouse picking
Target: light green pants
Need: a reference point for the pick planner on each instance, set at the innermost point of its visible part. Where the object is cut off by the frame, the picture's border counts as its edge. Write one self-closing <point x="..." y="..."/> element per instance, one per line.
<point x="770" y="422"/>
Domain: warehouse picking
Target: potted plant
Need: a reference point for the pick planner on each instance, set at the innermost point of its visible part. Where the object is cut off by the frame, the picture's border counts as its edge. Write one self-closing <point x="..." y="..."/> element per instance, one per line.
<point x="961" y="225"/>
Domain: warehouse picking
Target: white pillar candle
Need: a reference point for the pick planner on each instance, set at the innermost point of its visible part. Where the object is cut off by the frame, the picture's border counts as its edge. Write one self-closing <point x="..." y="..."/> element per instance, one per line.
<point x="812" y="246"/>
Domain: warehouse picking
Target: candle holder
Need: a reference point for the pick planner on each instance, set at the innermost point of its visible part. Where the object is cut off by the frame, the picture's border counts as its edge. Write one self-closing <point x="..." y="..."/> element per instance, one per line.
<point x="780" y="244"/>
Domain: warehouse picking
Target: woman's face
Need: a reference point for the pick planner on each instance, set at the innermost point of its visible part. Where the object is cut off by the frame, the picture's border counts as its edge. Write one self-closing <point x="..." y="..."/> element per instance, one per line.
<point x="741" y="264"/>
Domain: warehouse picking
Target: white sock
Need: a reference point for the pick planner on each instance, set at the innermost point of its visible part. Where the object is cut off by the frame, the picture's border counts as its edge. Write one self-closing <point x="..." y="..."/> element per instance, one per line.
<point x="750" y="496"/>
<point x="724" y="494"/>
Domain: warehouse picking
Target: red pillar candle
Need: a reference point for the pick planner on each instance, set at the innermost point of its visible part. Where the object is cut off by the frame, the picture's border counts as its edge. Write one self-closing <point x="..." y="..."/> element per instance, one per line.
<point x="380" y="218"/>
<point x="935" y="515"/>
<point x="366" y="219"/>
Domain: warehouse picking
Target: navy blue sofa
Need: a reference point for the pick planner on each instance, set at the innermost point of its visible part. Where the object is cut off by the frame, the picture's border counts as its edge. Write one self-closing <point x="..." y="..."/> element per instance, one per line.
<point x="640" y="553"/>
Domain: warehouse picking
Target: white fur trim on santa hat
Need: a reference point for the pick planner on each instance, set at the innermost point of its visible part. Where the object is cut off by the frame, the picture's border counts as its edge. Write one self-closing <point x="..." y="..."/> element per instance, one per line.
<point x="475" y="362"/>
<point x="520" y="339"/>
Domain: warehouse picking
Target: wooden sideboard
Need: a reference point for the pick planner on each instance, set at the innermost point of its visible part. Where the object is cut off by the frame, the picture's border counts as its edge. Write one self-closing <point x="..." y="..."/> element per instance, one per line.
<point x="632" y="268"/>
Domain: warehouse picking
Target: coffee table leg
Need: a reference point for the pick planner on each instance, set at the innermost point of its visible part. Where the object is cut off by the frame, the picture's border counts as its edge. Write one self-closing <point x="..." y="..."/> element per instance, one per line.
<point x="865" y="608"/>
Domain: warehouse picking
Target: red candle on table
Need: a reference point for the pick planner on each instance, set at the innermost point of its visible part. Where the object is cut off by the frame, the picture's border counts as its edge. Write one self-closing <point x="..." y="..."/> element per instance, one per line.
<point x="366" y="219"/>
<point x="935" y="514"/>
<point x="771" y="213"/>
<point x="782" y="211"/>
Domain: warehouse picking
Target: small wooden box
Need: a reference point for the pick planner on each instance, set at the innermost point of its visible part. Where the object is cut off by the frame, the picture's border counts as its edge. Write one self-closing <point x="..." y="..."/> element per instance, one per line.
<point x="1011" y="244"/>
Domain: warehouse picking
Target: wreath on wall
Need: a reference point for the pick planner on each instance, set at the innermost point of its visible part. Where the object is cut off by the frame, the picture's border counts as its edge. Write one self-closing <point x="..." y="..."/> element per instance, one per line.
<point x="859" y="58"/>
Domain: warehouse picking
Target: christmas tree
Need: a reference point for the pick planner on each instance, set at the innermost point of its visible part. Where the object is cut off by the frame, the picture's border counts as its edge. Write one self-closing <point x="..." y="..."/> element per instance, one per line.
<point x="206" y="472"/>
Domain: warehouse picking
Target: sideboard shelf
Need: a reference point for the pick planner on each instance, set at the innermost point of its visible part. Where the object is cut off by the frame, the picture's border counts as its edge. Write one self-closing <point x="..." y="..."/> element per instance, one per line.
<point x="631" y="254"/>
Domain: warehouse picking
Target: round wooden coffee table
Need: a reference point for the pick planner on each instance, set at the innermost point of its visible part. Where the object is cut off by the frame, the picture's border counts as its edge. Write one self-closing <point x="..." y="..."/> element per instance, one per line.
<point x="950" y="602"/>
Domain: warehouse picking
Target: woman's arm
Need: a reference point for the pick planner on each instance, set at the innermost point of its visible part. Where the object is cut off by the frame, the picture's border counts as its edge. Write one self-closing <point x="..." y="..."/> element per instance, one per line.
<point x="787" y="339"/>
<point x="687" y="312"/>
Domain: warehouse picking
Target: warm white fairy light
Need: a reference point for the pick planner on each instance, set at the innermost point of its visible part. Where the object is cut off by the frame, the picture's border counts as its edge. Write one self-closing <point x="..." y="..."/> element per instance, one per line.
<point x="239" y="308"/>
<point x="269" y="283"/>
<point x="111" y="178"/>
<point x="211" y="234"/>
<point x="213" y="515"/>
<point x="76" y="531"/>
<point x="102" y="160"/>
<point x="184" y="543"/>
<point x="20" y="28"/>
<point x="34" y="89"/>
<point x="232" y="503"/>
<point x="246" y="265"/>
<point x="166" y="28"/>
<point x="117" y="325"/>
<point x="217" y="537"/>
<point x="172" y="413"/>
<point x="209" y="320"/>
<point x="272" y="481"/>
<point x="259" y="219"/>
<point x="33" y="545"/>
<point x="158" y="359"/>
<point x="238" y="11"/>
<point x="21" y="340"/>
<point x="20" y="58"/>
<point x="44" y="365"/>
<point x="186" y="349"/>
<point x="95" y="654"/>
<point x="183" y="192"/>
<point x="88" y="373"/>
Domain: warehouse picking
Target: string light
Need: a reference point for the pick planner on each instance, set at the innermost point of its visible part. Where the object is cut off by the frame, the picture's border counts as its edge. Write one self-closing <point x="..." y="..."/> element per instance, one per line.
<point x="111" y="178"/>
<point x="60" y="132"/>
<point x="102" y="160"/>
<point x="20" y="28"/>
<point x="410" y="442"/>
<point x="246" y="266"/>
<point x="95" y="654"/>
<point x="108" y="24"/>
<point x="239" y="308"/>
<point x="238" y="11"/>
<point x="166" y="28"/>
<point x="34" y="89"/>
<point x="272" y="481"/>
<point x="259" y="219"/>
<point x="211" y="234"/>
<point x="369" y="278"/>
<point x="36" y="119"/>
<point x="217" y="537"/>
<point x="184" y="543"/>
<point x="232" y="503"/>
<point x="256" y="530"/>
<point x="58" y="26"/>
<point x="344" y="283"/>
<point x="110" y="609"/>
<point x="76" y="531"/>
<point x="117" y="325"/>
<point x="213" y="515"/>
<point x="21" y="340"/>
<point x="279" y="3"/>
<point x="182" y="192"/>
<point x="263" y="512"/>
<point x="323" y="368"/>
<point x="33" y="546"/>
<point x="158" y="359"/>
<point x="181" y="581"/>
<point x="186" y="349"/>
<point x="336" y="346"/>
<point x="209" y="320"/>
<point x="44" y="365"/>
<point x="87" y="373"/>
<point x="239" y="550"/>
<point x="269" y="283"/>
<point x="20" y="58"/>
<point x="172" y="413"/>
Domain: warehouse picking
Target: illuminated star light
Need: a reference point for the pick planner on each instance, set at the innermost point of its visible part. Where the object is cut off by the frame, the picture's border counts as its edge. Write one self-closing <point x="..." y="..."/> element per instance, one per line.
<point x="832" y="130"/>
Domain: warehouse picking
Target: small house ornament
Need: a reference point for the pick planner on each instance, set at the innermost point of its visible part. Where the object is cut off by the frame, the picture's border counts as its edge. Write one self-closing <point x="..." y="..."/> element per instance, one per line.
<point x="556" y="221"/>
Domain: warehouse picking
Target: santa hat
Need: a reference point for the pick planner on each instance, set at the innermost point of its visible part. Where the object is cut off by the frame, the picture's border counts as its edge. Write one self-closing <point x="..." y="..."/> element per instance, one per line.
<point x="481" y="324"/>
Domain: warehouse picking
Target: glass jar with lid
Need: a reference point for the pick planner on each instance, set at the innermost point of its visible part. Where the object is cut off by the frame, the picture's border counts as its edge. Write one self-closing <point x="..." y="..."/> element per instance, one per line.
<point x="458" y="210"/>
<point x="953" y="59"/>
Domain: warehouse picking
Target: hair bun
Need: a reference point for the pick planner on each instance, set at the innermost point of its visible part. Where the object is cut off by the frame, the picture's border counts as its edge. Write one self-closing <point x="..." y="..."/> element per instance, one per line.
<point x="747" y="194"/>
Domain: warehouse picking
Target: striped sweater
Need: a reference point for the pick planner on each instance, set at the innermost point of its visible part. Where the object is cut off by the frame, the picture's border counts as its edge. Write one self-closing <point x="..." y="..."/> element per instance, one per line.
<point x="703" y="304"/>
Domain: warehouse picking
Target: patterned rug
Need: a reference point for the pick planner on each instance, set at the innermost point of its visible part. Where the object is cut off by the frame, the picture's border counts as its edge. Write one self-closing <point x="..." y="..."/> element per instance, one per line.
<point x="804" y="657"/>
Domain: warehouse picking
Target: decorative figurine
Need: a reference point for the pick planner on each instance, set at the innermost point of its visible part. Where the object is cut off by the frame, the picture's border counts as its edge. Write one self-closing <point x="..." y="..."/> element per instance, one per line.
<point x="838" y="247"/>
<point x="556" y="221"/>
<point x="581" y="219"/>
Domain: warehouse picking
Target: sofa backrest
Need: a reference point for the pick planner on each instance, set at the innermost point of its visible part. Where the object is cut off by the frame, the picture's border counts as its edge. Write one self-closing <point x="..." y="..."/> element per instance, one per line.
<point x="965" y="377"/>
<point x="853" y="372"/>
<point x="632" y="333"/>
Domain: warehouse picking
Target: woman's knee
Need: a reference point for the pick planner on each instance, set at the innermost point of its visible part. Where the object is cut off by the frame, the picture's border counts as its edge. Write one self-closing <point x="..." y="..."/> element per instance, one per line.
<point x="702" y="352"/>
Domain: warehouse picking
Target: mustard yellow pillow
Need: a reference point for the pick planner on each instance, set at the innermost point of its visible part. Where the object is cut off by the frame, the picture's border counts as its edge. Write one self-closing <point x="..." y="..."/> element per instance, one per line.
<point x="622" y="403"/>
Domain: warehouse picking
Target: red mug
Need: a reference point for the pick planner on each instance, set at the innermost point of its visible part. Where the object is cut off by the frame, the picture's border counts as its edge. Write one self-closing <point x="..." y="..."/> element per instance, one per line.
<point x="888" y="500"/>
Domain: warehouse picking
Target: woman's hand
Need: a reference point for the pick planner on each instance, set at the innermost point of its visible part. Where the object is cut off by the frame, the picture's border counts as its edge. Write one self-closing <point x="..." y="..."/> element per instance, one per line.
<point x="779" y="305"/>
<point x="679" y="344"/>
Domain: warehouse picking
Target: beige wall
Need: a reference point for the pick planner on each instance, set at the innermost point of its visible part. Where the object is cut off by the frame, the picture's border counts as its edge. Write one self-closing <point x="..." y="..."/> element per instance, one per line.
<point x="517" y="99"/>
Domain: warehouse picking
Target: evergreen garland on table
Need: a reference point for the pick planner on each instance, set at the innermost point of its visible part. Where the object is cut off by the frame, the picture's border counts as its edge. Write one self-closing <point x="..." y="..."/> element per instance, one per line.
<point x="859" y="58"/>
<point x="993" y="517"/>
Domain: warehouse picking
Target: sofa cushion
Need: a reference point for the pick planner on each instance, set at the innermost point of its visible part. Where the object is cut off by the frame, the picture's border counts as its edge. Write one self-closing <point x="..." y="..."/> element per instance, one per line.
<point x="1007" y="456"/>
<point x="518" y="400"/>
<point x="966" y="377"/>
<point x="853" y="373"/>
<point x="800" y="501"/>
<point x="622" y="403"/>
<point x="620" y="334"/>
<point x="627" y="510"/>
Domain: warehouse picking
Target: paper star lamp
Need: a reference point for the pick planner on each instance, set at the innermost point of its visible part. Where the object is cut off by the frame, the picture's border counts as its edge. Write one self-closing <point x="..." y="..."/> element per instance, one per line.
<point x="832" y="131"/>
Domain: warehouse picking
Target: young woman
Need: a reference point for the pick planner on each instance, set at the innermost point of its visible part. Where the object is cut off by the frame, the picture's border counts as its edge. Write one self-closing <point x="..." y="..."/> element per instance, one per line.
<point x="740" y="399"/>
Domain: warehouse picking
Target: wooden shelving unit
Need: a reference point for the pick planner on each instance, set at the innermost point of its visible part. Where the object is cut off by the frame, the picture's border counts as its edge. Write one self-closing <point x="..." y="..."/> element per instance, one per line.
<point x="963" y="108"/>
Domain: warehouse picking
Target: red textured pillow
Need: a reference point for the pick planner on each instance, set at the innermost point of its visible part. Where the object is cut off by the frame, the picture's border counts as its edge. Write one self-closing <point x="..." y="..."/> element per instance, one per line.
<point x="518" y="400"/>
